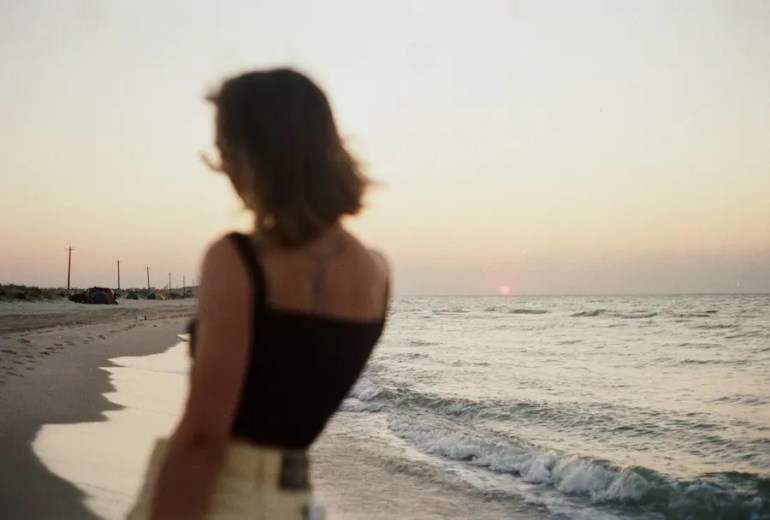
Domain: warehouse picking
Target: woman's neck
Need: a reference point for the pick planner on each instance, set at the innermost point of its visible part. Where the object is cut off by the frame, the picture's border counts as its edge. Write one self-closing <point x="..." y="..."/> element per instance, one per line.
<point x="333" y="237"/>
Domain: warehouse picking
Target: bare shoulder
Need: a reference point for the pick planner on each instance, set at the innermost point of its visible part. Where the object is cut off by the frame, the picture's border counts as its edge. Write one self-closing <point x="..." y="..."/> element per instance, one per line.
<point x="221" y="262"/>
<point x="380" y="261"/>
<point x="371" y="265"/>
<point x="374" y="259"/>
<point x="219" y="250"/>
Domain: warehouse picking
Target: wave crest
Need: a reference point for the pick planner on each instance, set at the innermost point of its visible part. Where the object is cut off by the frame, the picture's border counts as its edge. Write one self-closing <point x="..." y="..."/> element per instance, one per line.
<point x="716" y="495"/>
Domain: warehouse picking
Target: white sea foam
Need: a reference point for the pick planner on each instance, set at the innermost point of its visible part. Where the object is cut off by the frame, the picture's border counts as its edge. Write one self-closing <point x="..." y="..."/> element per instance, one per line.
<point x="569" y="474"/>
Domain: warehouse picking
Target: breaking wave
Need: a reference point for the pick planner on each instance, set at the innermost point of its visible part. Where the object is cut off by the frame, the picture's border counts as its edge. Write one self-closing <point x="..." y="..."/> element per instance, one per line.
<point x="714" y="495"/>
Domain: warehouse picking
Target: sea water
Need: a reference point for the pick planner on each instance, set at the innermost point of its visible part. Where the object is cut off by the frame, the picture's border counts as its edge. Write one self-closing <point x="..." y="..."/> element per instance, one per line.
<point x="572" y="407"/>
<point x="585" y="407"/>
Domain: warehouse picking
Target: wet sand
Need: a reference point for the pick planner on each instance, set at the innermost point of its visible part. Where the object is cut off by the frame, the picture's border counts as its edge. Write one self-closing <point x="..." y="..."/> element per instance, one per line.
<point x="50" y="373"/>
<point x="360" y="473"/>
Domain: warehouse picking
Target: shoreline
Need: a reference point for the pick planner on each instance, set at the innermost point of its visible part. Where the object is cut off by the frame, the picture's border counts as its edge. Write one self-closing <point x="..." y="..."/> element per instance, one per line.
<point x="51" y="372"/>
<point x="360" y="470"/>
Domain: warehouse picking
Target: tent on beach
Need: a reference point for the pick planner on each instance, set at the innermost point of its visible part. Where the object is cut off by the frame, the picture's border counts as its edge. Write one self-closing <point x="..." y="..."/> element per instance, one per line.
<point x="95" y="296"/>
<point x="155" y="295"/>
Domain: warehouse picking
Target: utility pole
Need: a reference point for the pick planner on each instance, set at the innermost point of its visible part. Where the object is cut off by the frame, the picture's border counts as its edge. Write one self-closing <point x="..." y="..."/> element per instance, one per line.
<point x="184" y="287"/>
<point x="118" y="273"/>
<point x="169" y="284"/>
<point x="148" y="277"/>
<point x="69" y="264"/>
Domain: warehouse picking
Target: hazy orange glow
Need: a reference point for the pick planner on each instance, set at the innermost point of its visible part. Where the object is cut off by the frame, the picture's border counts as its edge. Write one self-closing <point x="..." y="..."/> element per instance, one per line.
<point x="572" y="149"/>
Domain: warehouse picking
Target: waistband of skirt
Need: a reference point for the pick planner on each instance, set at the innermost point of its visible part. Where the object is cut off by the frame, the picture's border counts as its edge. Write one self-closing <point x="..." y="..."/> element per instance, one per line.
<point x="287" y="469"/>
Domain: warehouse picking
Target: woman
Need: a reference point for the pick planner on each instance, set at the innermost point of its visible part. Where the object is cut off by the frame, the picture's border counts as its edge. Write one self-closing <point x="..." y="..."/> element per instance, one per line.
<point x="287" y="316"/>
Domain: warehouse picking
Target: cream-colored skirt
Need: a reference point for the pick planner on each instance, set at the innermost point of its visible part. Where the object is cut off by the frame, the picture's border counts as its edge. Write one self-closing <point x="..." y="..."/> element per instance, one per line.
<point x="252" y="484"/>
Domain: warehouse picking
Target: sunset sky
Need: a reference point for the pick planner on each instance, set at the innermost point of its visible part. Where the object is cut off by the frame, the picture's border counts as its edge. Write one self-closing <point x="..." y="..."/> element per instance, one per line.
<point x="546" y="147"/>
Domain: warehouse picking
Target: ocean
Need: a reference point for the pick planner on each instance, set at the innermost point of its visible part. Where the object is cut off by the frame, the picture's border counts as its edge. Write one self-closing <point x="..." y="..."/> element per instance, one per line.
<point x="583" y="407"/>
<point x="595" y="407"/>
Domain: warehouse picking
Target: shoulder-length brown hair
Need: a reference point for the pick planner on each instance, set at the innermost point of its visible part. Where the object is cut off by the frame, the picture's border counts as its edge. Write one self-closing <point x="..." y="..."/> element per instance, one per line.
<point x="279" y="144"/>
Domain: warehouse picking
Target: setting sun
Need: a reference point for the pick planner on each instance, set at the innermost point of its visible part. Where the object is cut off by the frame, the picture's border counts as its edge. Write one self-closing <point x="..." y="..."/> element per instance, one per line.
<point x="505" y="289"/>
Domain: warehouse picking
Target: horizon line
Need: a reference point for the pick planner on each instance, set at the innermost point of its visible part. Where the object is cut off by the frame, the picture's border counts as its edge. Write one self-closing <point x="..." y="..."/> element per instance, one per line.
<point x="461" y="295"/>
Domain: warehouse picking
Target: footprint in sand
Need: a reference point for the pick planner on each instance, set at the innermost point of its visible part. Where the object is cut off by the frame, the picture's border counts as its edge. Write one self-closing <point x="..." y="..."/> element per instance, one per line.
<point x="29" y="356"/>
<point x="8" y="351"/>
<point x="69" y="343"/>
<point x="102" y="336"/>
<point x="29" y="368"/>
<point x="24" y="340"/>
<point x="58" y="344"/>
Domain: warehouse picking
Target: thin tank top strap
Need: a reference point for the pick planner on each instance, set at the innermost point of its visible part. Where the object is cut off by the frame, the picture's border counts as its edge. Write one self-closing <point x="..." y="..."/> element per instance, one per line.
<point x="248" y="252"/>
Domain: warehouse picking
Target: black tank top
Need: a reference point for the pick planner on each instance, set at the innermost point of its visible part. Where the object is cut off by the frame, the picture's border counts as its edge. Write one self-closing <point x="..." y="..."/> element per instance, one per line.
<point x="301" y="366"/>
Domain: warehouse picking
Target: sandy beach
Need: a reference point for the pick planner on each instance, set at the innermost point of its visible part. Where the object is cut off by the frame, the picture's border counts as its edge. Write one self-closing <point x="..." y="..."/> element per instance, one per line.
<point x="51" y="359"/>
<point x="68" y="419"/>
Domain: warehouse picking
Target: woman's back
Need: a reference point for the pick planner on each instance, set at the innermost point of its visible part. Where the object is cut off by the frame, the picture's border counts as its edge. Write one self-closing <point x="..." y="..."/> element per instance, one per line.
<point x="315" y="313"/>
<point x="334" y="276"/>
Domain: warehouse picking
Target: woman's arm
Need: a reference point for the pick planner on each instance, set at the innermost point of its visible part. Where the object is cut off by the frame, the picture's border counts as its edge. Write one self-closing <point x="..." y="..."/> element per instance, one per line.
<point x="198" y="445"/>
